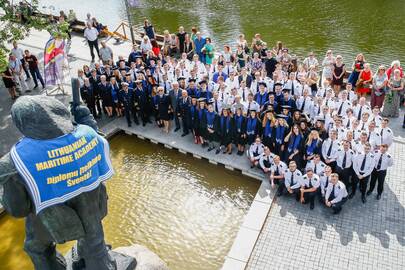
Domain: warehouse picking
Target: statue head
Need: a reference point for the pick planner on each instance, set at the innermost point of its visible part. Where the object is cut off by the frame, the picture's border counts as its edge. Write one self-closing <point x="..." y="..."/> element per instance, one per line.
<point x="41" y="117"/>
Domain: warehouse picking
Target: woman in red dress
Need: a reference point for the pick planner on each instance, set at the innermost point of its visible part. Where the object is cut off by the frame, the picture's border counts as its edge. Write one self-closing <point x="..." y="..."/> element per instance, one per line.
<point x="364" y="82"/>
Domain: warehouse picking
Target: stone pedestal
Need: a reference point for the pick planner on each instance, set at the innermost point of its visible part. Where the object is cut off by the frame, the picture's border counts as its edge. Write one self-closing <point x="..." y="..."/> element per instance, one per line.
<point x="145" y="259"/>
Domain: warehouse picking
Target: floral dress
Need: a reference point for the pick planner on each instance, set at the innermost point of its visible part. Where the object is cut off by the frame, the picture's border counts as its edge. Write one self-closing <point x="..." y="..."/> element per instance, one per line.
<point x="392" y="100"/>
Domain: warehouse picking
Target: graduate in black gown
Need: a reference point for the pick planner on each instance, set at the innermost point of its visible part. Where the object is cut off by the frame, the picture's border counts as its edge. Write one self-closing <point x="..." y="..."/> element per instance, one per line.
<point x="253" y="127"/>
<point x="209" y="120"/>
<point x="224" y="131"/>
<point x="281" y="129"/>
<point x="312" y="146"/>
<point x="163" y="107"/>
<point x="268" y="129"/>
<point x="202" y="128"/>
<point x="193" y="118"/>
<point x="293" y="146"/>
<point x="240" y="136"/>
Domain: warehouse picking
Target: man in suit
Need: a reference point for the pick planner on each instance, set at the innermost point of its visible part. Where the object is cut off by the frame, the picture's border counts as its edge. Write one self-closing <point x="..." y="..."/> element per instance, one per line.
<point x="175" y="95"/>
<point x="183" y="111"/>
<point x="244" y="76"/>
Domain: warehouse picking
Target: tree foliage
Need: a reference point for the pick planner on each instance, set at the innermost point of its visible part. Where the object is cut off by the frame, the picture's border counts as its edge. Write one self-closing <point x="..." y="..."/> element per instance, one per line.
<point x="17" y="19"/>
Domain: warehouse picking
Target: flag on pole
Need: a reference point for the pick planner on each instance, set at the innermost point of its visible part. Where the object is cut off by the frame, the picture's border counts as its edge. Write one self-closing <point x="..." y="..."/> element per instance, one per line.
<point x="54" y="58"/>
<point x="133" y="3"/>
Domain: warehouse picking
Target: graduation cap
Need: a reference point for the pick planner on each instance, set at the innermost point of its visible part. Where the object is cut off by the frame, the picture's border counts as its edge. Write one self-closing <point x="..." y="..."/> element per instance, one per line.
<point x="180" y="78"/>
<point x="138" y="81"/>
<point x="190" y="80"/>
<point x="296" y="110"/>
<point x="138" y="56"/>
<point x="281" y="116"/>
<point x="262" y="83"/>
<point x="193" y="96"/>
<point x="201" y="99"/>
<point x="287" y="90"/>
<point x="278" y="83"/>
<point x="286" y="107"/>
<point x="313" y="129"/>
<point x="210" y="102"/>
<point x="320" y="119"/>
<point x="124" y="84"/>
<point x="253" y="110"/>
<point x="201" y="82"/>
<point x="268" y="111"/>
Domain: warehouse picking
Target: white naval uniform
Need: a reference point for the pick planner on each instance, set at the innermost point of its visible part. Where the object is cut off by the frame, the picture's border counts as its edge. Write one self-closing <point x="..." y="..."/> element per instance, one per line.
<point x="326" y="146"/>
<point x="318" y="168"/>
<point x="339" y="192"/>
<point x="255" y="150"/>
<point x="296" y="180"/>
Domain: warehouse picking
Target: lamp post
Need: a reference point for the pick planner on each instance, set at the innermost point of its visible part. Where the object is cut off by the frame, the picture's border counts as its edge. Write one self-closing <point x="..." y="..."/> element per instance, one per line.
<point x="129" y="21"/>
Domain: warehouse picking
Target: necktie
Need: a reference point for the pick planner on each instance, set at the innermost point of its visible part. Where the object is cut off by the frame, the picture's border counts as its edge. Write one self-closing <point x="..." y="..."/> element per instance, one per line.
<point x="340" y="108"/>
<point x="257" y="150"/>
<point x="359" y="115"/>
<point x="314" y="168"/>
<point x="332" y="193"/>
<point x="222" y="96"/>
<point x="292" y="88"/>
<point x="309" y="183"/>
<point x="277" y="171"/>
<point x="363" y="164"/>
<point x="362" y="127"/>
<point x="319" y="109"/>
<point x="330" y="148"/>
<point x="303" y="104"/>
<point x="344" y="161"/>
<point x="216" y="106"/>
<point x="379" y="162"/>
<point x="248" y="107"/>
<point x="292" y="179"/>
<point x="348" y="123"/>
<point x="327" y="181"/>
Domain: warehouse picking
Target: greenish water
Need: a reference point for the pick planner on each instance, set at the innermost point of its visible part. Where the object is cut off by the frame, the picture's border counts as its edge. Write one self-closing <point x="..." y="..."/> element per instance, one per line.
<point x="374" y="27"/>
<point x="348" y="27"/>
<point x="185" y="210"/>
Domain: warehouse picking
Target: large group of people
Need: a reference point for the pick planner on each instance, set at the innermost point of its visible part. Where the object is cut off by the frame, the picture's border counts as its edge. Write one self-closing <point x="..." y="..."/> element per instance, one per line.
<point x="305" y="124"/>
<point x="315" y="136"/>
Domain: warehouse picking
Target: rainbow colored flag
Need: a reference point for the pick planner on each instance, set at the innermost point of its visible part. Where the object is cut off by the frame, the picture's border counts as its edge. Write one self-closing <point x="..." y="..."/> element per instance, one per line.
<point x="54" y="58"/>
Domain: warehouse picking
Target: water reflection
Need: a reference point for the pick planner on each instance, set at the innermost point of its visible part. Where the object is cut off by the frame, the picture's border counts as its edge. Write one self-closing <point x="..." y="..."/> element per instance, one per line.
<point x="187" y="211"/>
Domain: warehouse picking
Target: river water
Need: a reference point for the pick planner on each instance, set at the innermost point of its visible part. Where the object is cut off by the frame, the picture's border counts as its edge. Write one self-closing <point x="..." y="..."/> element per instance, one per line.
<point x="348" y="27"/>
<point x="185" y="210"/>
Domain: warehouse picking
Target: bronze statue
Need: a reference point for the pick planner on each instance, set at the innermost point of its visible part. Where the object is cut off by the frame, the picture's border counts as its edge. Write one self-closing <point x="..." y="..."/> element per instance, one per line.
<point x="79" y="218"/>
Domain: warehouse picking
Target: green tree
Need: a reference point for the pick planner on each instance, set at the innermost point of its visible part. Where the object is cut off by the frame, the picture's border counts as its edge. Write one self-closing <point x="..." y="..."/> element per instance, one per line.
<point x="18" y="20"/>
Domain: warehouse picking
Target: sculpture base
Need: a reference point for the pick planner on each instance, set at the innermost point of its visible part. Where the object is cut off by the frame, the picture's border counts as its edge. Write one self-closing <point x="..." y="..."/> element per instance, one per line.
<point x="124" y="262"/>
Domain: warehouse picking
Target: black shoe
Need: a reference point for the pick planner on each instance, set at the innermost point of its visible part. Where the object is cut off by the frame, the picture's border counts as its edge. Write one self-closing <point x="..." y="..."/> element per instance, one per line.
<point x="335" y="212"/>
<point x="252" y="166"/>
<point x="184" y="134"/>
<point x="28" y="91"/>
<point x="36" y="86"/>
<point x="176" y="129"/>
<point x="363" y="199"/>
<point x="312" y="206"/>
<point x="210" y="149"/>
<point x="378" y="197"/>
<point x="137" y="123"/>
<point x="143" y="124"/>
<point x="29" y="78"/>
<point x="351" y="195"/>
<point x="368" y="193"/>
<point x="217" y="151"/>
<point x="279" y="193"/>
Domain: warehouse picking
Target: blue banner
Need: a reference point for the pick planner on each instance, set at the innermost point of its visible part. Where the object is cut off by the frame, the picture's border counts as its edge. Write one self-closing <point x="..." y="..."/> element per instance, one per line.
<point x="59" y="169"/>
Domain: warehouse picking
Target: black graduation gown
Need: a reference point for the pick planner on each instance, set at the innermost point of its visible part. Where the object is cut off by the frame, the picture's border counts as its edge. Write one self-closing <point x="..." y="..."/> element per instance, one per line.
<point x="239" y="131"/>
<point x="278" y="143"/>
<point x="225" y="132"/>
<point x="252" y="134"/>
<point x="204" y="125"/>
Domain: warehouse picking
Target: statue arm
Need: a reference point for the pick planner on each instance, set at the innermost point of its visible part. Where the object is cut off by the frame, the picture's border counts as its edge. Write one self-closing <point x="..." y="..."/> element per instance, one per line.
<point x="15" y="197"/>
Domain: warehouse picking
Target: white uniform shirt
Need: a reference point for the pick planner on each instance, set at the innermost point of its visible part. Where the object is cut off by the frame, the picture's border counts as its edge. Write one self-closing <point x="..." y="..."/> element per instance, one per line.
<point x="18" y="53"/>
<point x="307" y="106"/>
<point x="296" y="180"/>
<point x="255" y="150"/>
<point x="349" y="158"/>
<point x="342" y="106"/>
<point x="386" y="161"/>
<point x="266" y="161"/>
<point x="326" y="146"/>
<point x="280" y="168"/>
<point x="363" y="109"/>
<point x="251" y="106"/>
<point x="368" y="165"/>
<point x="339" y="191"/>
<point x="318" y="168"/>
<point x="324" y="182"/>
<point x="305" y="182"/>
<point x="386" y="135"/>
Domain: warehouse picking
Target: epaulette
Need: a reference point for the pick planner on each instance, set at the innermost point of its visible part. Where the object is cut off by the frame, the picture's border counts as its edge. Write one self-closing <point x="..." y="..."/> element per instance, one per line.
<point x="322" y="164"/>
<point x="388" y="155"/>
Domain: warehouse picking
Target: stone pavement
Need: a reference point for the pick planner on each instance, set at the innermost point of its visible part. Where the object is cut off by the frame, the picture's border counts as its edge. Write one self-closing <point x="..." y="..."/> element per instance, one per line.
<point x="363" y="236"/>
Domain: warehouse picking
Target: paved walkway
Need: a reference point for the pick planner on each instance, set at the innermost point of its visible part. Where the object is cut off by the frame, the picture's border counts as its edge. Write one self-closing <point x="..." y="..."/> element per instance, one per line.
<point x="369" y="236"/>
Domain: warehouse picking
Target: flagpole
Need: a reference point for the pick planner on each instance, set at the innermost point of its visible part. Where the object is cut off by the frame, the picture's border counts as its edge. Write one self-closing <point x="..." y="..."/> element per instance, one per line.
<point x="129" y="22"/>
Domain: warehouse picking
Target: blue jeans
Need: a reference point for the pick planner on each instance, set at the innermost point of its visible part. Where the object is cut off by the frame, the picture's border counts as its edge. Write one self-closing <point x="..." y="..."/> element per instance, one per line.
<point x="36" y="75"/>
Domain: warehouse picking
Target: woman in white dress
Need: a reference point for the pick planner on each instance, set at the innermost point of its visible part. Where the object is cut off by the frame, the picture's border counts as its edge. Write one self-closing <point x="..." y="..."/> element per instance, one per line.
<point x="327" y="65"/>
